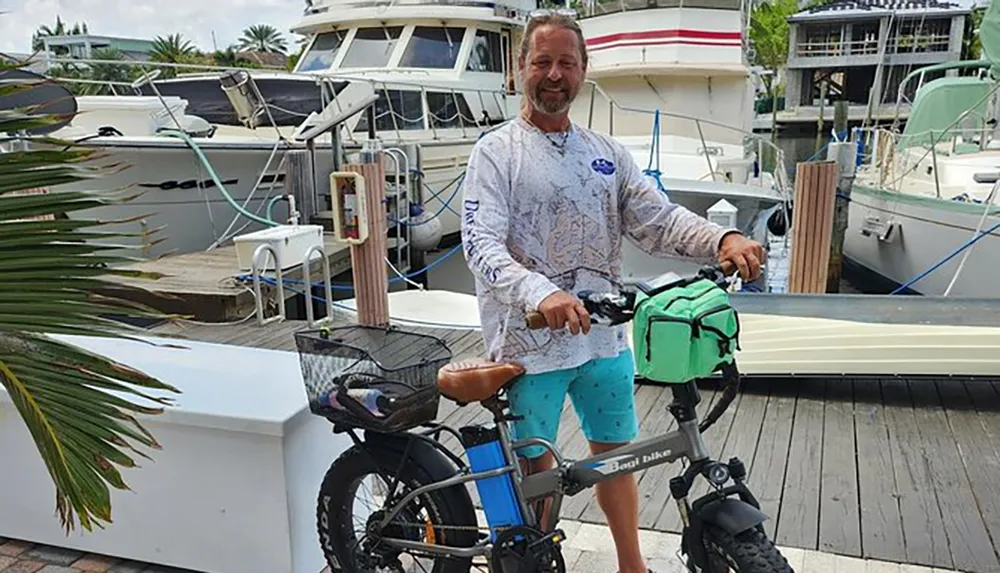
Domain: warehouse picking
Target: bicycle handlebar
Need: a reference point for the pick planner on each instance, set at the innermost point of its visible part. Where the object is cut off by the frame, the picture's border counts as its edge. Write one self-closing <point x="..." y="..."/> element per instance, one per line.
<point x="617" y="308"/>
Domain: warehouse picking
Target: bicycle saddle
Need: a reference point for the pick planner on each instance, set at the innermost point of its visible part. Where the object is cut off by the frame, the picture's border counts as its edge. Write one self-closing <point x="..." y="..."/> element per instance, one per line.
<point x="468" y="381"/>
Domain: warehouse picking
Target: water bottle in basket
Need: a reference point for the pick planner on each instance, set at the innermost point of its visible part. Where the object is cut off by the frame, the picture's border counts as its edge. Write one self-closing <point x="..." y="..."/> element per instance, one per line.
<point x="372" y="399"/>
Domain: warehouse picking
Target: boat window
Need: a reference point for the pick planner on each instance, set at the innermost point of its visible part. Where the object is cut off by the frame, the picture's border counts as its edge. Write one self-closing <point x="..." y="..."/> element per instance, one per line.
<point x="432" y="47"/>
<point x="322" y="52"/>
<point x="371" y="47"/>
<point x="445" y="113"/>
<point x="486" y="55"/>
<point x="407" y="109"/>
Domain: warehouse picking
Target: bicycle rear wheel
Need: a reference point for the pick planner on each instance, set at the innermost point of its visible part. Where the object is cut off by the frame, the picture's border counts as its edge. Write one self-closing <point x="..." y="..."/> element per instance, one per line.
<point x="349" y="536"/>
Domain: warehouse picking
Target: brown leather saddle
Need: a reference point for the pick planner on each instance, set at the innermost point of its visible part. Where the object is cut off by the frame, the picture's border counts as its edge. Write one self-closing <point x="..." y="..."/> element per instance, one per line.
<point x="469" y="381"/>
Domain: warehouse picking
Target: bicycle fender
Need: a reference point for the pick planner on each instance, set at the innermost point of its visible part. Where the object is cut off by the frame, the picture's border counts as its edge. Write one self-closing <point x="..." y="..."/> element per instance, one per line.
<point x="733" y="516"/>
<point x="417" y="450"/>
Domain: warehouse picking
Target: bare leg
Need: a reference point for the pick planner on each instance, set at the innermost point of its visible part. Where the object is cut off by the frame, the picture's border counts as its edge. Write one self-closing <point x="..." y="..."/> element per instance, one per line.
<point x="619" y="500"/>
<point x="539" y="464"/>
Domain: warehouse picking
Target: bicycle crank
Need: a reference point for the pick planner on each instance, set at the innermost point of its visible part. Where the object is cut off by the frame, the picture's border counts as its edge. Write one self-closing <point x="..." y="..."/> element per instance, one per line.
<point x="522" y="549"/>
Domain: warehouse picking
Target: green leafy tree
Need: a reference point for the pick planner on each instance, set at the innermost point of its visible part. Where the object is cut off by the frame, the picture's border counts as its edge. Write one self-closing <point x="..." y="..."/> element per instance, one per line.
<point x="262" y="38"/>
<point x="109" y="72"/>
<point x="173" y="49"/>
<point x="79" y="407"/>
<point x="769" y="33"/>
<point x="60" y="29"/>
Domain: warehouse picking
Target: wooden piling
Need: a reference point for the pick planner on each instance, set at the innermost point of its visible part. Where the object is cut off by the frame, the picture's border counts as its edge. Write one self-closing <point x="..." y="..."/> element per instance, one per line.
<point x="301" y="183"/>
<point x="845" y="155"/>
<point x="371" y="280"/>
<point x="812" y="226"/>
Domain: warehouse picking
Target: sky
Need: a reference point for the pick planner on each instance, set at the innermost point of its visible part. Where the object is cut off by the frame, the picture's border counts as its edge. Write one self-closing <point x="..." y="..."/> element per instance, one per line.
<point x="146" y="19"/>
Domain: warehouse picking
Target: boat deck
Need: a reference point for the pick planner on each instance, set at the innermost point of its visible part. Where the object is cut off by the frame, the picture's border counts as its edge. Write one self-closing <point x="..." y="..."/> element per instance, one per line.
<point x="897" y="469"/>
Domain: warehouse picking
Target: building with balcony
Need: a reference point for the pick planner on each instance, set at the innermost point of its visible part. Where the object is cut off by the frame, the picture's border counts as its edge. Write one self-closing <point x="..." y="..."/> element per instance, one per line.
<point x="860" y="50"/>
<point x="83" y="46"/>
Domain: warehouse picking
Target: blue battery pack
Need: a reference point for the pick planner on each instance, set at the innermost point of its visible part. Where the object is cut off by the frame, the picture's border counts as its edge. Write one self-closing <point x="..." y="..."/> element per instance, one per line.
<point x="496" y="493"/>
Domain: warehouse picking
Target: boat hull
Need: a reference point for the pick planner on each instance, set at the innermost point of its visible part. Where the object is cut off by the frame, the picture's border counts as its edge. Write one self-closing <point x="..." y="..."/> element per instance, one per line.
<point x="177" y="195"/>
<point x="924" y="232"/>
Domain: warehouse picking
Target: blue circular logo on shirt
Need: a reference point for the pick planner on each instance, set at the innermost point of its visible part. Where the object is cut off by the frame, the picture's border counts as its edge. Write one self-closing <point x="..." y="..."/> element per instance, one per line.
<point x="602" y="165"/>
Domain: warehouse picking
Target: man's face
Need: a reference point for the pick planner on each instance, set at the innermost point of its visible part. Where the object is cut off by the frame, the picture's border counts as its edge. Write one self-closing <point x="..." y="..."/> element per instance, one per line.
<point x="553" y="70"/>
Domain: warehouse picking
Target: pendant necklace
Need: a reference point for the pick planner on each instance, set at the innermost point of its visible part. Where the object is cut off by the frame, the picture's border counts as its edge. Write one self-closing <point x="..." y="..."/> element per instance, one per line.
<point x="562" y="136"/>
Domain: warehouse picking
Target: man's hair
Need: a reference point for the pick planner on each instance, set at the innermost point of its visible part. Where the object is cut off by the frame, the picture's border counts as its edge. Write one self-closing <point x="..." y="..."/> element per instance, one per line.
<point x="559" y="21"/>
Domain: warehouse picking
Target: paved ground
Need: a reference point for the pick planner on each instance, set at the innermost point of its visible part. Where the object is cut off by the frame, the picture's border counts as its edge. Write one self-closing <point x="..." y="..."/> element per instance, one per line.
<point x="588" y="549"/>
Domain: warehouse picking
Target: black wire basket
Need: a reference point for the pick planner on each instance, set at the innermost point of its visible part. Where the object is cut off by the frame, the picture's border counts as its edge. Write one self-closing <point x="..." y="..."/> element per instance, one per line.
<point x="379" y="379"/>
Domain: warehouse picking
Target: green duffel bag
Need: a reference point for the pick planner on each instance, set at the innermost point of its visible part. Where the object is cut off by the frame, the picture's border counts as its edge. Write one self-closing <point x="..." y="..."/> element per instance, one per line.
<point x="684" y="333"/>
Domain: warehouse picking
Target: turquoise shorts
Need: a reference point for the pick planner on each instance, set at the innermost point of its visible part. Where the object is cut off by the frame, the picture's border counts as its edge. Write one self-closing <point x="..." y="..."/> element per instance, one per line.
<point x="602" y="392"/>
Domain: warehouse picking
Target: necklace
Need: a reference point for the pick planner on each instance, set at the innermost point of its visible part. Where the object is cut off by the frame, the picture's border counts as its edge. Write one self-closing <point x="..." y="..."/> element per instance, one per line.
<point x="557" y="139"/>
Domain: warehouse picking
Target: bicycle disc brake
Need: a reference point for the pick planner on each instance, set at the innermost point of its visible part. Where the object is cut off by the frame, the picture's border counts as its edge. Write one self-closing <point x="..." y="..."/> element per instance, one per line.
<point x="522" y="549"/>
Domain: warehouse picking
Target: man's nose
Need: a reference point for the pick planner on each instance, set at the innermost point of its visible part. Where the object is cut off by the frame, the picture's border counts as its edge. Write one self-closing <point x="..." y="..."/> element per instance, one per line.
<point x="555" y="74"/>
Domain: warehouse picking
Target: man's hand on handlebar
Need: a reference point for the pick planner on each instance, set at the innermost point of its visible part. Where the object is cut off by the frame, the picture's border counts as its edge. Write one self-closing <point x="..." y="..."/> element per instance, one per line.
<point x="746" y="255"/>
<point x="562" y="310"/>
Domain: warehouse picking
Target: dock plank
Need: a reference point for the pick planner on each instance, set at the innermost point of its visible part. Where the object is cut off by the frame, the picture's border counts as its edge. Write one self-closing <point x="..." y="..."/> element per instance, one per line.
<point x="840" y="523"/>
<point x="798" y="524"/>
<point x="979" y="451"/>
<point x="968" y="540"/>
<point x="767" y="470"/>
<point x="881" y="528"/>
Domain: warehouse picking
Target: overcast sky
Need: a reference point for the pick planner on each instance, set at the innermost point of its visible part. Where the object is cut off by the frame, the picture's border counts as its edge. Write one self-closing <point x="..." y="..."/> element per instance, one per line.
<point x="195" y="19"/>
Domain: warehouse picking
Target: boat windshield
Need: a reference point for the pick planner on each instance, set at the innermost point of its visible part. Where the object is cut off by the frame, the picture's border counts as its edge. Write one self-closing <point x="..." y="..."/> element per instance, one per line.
<point x="323" y="51"/>
<point x="371" y="47"/>
<point x="433" y="47"/>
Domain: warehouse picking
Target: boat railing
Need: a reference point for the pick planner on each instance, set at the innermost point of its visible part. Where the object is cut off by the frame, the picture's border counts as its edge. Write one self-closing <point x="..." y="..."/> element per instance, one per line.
<point x="890" y="156"/>
<point x="399" y="121"/>
<point x="706" y="131"/>
<point x="920" y="75"/>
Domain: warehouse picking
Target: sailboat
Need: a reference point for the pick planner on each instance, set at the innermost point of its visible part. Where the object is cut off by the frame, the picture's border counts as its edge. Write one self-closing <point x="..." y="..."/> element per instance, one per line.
<point x="924" y="215"/>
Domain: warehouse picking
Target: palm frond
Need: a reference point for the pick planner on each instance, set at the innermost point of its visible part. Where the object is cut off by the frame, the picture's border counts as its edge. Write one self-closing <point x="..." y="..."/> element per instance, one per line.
<point x="81" y="409"/>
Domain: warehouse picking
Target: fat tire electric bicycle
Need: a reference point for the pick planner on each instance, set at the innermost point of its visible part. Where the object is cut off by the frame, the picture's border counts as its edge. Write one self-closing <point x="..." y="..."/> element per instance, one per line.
<point x="428" y="511"/>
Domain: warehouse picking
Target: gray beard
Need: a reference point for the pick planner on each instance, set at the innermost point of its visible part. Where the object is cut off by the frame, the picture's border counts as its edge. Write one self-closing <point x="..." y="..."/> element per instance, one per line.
<point x="550" y="108"/>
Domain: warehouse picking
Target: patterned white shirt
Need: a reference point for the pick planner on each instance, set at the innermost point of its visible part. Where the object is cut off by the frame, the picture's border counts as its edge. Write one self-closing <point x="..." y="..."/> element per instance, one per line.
<point x="544" y="212"/>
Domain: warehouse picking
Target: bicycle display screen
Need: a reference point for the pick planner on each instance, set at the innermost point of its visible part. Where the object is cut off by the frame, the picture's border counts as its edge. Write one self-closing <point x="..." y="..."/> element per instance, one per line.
<point x="658" y="282"/>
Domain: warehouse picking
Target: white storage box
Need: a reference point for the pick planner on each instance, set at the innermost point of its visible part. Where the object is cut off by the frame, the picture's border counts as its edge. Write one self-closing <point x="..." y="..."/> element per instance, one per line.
<point x="290" y="242"/>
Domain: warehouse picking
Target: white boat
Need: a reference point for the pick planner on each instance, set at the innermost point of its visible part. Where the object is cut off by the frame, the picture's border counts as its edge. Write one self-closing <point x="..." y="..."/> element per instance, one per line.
<point x="923" y="213"/>
<point x="444" y="72"/>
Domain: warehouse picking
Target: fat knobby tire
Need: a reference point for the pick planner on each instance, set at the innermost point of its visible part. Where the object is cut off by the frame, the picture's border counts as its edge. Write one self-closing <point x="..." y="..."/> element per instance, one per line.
<point x="334" y="517"/>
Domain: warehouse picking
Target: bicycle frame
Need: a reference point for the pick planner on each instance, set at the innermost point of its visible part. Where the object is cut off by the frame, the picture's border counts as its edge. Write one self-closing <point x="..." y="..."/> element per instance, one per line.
<point x="570" y="477"/>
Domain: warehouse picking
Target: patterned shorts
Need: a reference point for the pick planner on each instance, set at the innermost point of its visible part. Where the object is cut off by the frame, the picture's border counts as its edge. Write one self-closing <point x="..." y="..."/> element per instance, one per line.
<point x="602" y="392"/>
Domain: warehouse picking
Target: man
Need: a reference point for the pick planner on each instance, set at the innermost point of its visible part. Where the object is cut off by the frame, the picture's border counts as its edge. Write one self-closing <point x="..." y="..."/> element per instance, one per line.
<point x="546" y="206"/>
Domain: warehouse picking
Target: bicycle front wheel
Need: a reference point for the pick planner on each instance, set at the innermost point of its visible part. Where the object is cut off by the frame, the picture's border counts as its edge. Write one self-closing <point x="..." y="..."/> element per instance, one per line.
<point x="357" y="492"/>
<point x="747" y="552"/>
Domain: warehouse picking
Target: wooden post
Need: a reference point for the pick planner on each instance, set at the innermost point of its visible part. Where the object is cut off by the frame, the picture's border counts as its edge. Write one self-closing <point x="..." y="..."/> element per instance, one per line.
<point x="300" y="182"/>
<point x="820" y="121"/>
<point x="840" y="109"/>
<point x="812" y="225"/>
<point x="844" y="155"/>
<point x="371" y="280"/>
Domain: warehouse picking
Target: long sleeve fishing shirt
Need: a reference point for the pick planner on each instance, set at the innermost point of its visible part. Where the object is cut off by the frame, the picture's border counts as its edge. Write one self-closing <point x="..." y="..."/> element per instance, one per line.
<point x="544" y="212"/>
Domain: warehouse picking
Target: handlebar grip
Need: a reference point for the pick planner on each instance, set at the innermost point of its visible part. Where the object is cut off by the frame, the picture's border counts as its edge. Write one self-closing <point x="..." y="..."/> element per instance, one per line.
<point x="536" y="321"/>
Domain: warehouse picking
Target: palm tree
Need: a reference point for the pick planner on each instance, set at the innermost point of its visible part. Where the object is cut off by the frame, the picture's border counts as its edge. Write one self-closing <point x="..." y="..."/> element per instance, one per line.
<point x="49" y="276"/>
<point x="262" y="38"/>
<point x="60" y="30"/>
<point x="174" y="49"/>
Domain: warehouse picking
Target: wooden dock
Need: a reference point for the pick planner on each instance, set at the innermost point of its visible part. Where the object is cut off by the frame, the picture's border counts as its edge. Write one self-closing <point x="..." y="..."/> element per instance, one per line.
<point x="902" y="470"/>
<point x="203" y="285"/>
